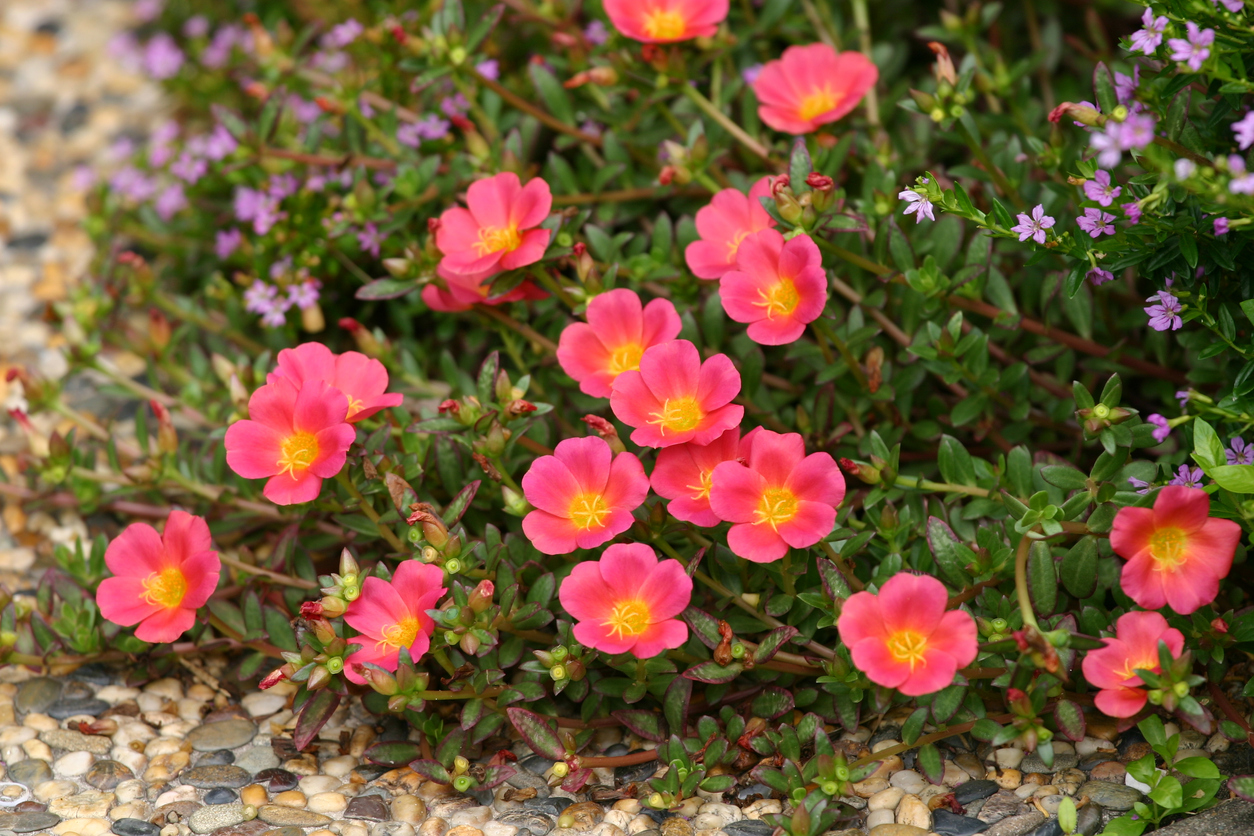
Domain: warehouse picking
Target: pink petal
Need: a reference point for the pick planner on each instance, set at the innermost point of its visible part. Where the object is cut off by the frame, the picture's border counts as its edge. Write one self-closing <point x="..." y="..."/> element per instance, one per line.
<point x="584" y="357"/>
<point x="817" y="478"/>
<point x="253" y="449"/>
<point x="1103" y="667"/>
<point x="625" y="566"/>
<point x="1177" y="506"/>
<point x="860" y="619"/>
<point x="550" y="534"/>
<point x="549" y="485"/>
<point x="458" y="232"/>
<point x="274" y="404"/>
<point x="775" y="455"/>
<point x="308" y="361"/>
<point x="585" y="594"/>
<point x="659" y="637"/>
<point x="492" y="198"/>
<point x="617" y="318"/>
<point x="201" y="572"/>
<point x="588" y="460"/>
<point x="529" y="251"/>
<point x="333" y="444"/>
<point x="1187" y="591"/>
<point x="284" y="489"/>
<point x="812" y="522"/>
<point x="777" y="331"/>
<point x="627" y="486"/>
<point x="165" y="625"/>
<point x="667" y="589"/>
<point x="618" y="521"/>
<point x="370" y="652"/>
<point x="378" y="607"/>
<point x="121" y="600"/>
<point x="735" y="492"/>
<point x="1142" y="583"/>
<point x="672" y="370"/>
<point x="660" y="322"/>
<point x="318" y="406"/>
<point x="956" y="636"/>
<point x="707" y="259"/>
<point x="758" y="543"/>
<point x="598" y="636"/>
<point x="417" y="583"/>
<point x="716" y="422"/>
<point x="695" y="511"/>
<point x="719" y="382"/>
<point x="1120" y="702"/>
<point x="137" y="552"/>
<point x="532" y="205"/>
<point x="912" y="602"/>
<point x="1131" y="530"/>
<point x="871" y="656"/>
<point x="935" y="672"/>
<point x="632" y="402"/>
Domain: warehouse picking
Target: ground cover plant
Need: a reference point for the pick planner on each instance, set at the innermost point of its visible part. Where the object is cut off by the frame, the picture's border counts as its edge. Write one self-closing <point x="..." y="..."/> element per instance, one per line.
<point x="729" y="374"/>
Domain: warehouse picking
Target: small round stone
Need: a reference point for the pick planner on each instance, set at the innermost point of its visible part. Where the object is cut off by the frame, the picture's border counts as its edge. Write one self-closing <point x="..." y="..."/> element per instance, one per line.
<point x="32" y="822"/>
<point x="291" y="798"/>
<point x="30" y="772"/>
<point x="64" y="709"/>
<point x="223" y="757"/>
<point x="374" y="808"/>
<point x="211" y="818"/>
<point x="135" y="827"/>
<point x="73" y="764"/>
<point x="277" y="780"/>
<point x="327" y="802"/>
<point x="107" y="774"/>
<point x="221" y="795"/>
<point x="224" y="734"/>
<point x="254" y="794"/>
<point x="211" y="777"/>
<point x="1111" y="796"/>
<point x="35" y="695"/>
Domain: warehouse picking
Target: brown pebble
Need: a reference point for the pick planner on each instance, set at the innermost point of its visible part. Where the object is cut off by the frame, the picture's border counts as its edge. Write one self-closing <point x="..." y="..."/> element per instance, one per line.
<point x="409" y="808"/>
<point x="464" y="830"/>
<point x="254" y="794"/>
<point x="1009" y="779"/>
<point x="434" y="826"/>
<point x="1111" y="771"/>
<point x="677" y="826"/>
<point x="291" y="798"/>
<point x="1135" y="751"/>
<point x="582" y="816"/>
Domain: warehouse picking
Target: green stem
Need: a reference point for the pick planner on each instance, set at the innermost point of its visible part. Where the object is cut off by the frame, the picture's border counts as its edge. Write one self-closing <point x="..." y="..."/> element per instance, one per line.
<point x="368" y="509"/>
<point x="505" y="477"/>
<point x="853" y="258"/>
<point x="999" y="178"/>
<point x="726" y="123"/>
<point x="942" y="487"/>
<point x="459" y="695"/>
<point x="785" y="571"/>
<point x="1021" y="581"/>
<point x="843" y="565"/>
<point x="862" y="21"/>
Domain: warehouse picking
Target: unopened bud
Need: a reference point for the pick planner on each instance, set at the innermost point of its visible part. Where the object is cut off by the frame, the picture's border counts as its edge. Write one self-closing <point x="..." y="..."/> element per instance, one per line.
<point x="1181" y="689"/>
<point x="515" y="503"/>
<point x="322" y="629"/>
<point x="558" y="672"/>
<point x="452" y="566"/>
<point x="830" y="787"/>
<point x="519" y="407"/>
<point x="469" y="644"/>
<point x="335" y="664"/>
<point x="274" y="677"/>
<point x="319" y="677"/>
<point x="460" y="765"/>
<point x="434" y="531"/>
<point x="158" y="330"/>
<point x="865" y="472"/>
<point x="333" y="607"/>
<point x="607" y="431"/>
<point x="1219" y="625"/>
<point x="1080" y="113"/>
<point x="366" y="341"/>
<point x="560" y="769"/>
<point x="787" y="205"/>
<point x="463" y="783"/>
<point x="481" y="597"/>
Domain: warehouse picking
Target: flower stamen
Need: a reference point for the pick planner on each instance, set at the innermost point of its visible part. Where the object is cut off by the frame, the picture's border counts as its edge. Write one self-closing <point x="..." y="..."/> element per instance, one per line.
<point x="165" y="588"/>
<point x="628" y="619"/>
<point x="297" y="453"/>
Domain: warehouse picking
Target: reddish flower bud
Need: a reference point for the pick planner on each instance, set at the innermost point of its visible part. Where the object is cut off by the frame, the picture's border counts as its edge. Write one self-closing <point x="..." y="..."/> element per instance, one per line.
<point x="167" y="438"/>
<point x="579" y="248"/>
<point x="449" y="405"/>
<point x="351" y="325"/>
<point x="820" y="182"/>
<point x="433" y="225"/>
<point x="565" y="40"/>
<point x="666" y="175"/>
<point x="399" y="35"/>
<point x="1219" y="625"/>
<point x="275" y="677"/>
<point x="481" y="598"/>
<point x="158" y="329"/>
<point x="519" y="407"/>
<point x="778" y="183"/>
<point x="311" y="609"/>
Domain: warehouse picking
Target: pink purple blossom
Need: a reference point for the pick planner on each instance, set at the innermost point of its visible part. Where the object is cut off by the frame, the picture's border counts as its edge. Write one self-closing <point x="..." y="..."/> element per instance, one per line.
<point x="1233" y="6"/>
<point x="304" y="110"/>
<point x="220" y="144"/>
<point x="226" y="242"/>
<point x="368" y="239"/>
<point x="1108" y="144"/>
<point x="1221" y="226"/>
<point x="1184" y="168"/>
<point x="596" y="33"/>
<point x="145" y="11"/>
<point x="1125" y="88"/>
<point x="1137" y="131"/>
<point x="132" y="183"/>
<point x="260" y="297"/>
<point x="1132" y="211"/>
<point x="170" y="202"/>
<point x="750" y="73"/>
<point x="188" y="168"/>
<point x="1239" y="452"/>
<point x="196" y="26"/>
<point x="919" y="205"/>
<point x="1182" y="398"/>
<point x="218" y="52"/>
<point x="1098" y="276"/>
<point x="1189" y="477"/>
<point x="1161" y="428"/>
<point x="1244" y="130"/>
<point x="1142" y="487"/>
<point x="1164" y="315"/>
<point x="258" y="207"/>
<point x="1151" y="37"/>
<point x="162" y="57"/>
<point x="276" y="316"/>
<point x="303" y="295"/>
<point x="329" y="61"/>
<point x="1096" y="222"/>
<point x="1242" y="182"/>
<point x="454" y="105"/>
<point x="1101" y="189"/>
<point x="1194" y="49"/>
<point x="1033" y="226"/>
<point x="428" y="127"/>
<point x="342" y="35"/>
<point x="489" y="69"/>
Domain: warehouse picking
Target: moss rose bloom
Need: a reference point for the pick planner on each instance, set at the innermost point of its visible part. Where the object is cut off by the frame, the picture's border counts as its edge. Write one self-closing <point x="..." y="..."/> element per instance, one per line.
<point x="729" y="218"/>
<point x="666" y="21"/>
<point x="362" y="379"/>
<point x="809" y="86"/>
<point x="778" y="286"/>
<point x="618" y="332"/>
<point x="684" y="474"/>
<point x="1135" y="646"/>
<point x="393" y="616"/>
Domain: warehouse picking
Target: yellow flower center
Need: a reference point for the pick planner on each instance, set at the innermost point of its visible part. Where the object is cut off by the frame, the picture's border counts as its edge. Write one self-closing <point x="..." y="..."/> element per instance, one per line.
<point x="1168" y="547"/>
<point x="780" y="300"/>
<point x="588" y="510"/>
<point x="664" y="25"/>
<point x="401" y="634"/>
<point x="1130" y="668"/>
<point x="733" y="246"/>
<point x="678" y="415"/>
<point x="165" y="588"/>
<point x="354" y="406"/>
<point x="817" y="103"/>
<point x="778" y="506"/>
<point x="626" y="358"/>
<point x="494" y="239"/>
<point x="703" y="490"/>
<point x="297" y="453"/>
<point x="628" y="619"/>
<point x="906" y="646"/>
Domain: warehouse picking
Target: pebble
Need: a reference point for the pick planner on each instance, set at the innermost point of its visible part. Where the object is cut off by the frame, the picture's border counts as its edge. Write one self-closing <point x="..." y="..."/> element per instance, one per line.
<point x="53" y="789"/>
<point x="879" y="817"/>
<point x="86" y="804"/>
<point x="1111" y="796"/>
<point x="211" y="777"/>
<point x="749" y="827"/>
<point x="411" y="809"/>
<point x="459" y="830"/>
<point x="221" y="795"/>
<point x="1009" y="779"/>
<point x="73" y="741"/>
<point x="224" y="734"/>
<point x="277" y="816"/>
<point x="135" y="827"/>
<point x="908" y="780"/>
<point x="553" y="806"/>
<point x="276" y="780"/>
<point x="259" y="759"/>
<point x="999" y="806"/>
<point x="1019" y="825"/>
<point x="914" y="812"/>
<point x="368" y="808"/>
<point x="254" y="794"/>
<point x="30" y="772"/>
<point x="1111" y="771"/>
<point x="31" y="822"/>
<point x="946" y="823"/>
<point x="763" y="807"/>
<point x="1009" y="758"/>
<point x="65" y="709"/>
<point x="210" y="818"/>
<point x="263" y="703"/>
<point x="974" y="791"/>
<point x="885" y="799"/>
<point x="332" y="802"/>
<point x="286" y="831"/>
<point x="434" y="826"/>
<point x="35" y="695"/>
<point x="73" y="764"/>
<point x="291" y="798"/>
<point x="106" y="774"/>
<point x="222" y="757"/>
<point x="897" y="830"/>
<point x="313" y="784"/>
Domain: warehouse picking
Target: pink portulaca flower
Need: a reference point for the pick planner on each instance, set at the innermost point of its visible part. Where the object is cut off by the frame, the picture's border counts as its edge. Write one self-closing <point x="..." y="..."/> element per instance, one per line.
<point x="809" y="86"/>
<point x="362" y="379"/>
<point x="684" y="474"/>
<point x="666" y="21"/>
<point x="902" y="637"/>
<point x="782" y="498"/>
<point x="674" y="398"/>
<point x="618" y="332"/>
<point x="1135" y="647"/>
<point x="1176" y="552"/>
<point x="583" y="494"/>
<point x="727" y="220"/>
<point x="628" y="601"/>
<point x="778" y="286"/>
<point x="392" y="616"/>
<point x="295" y="437"/>
<point x="159" y="580"/>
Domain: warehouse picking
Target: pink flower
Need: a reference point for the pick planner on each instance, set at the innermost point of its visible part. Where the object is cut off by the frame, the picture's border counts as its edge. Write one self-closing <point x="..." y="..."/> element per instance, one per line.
<point x="296" y="436"/>
<point x="781" y="498"/>
<point x="722" y="224"/>
<point x="363" y="380"/>
<point x="902" y="638"/>
<point x="627" y="601"/>
<point x="809" y="86"/>
<point x="391" y="616"/>
<point x="583" y="494"/>
<point x="497" y="232"/>
<point x="159" y="580"/>
<point x="674" y="398"/>
<point x="1135" y="647"/>
<point x="460" y="293"/>
<point x="1176" y="552"/>
<point x="666" y="21"/>
<point x="684" y="474"/>
<point x="617" y="333"/>
<point x="777" y="287"/>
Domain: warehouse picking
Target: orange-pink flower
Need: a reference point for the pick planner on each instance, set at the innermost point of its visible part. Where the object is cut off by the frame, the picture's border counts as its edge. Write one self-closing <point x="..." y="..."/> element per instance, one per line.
<point x="902" y="637"/>
<point x="778" y="286"/>
<point x="159" y="580"/>
<point x="674" y="398"/>
<point x="583" y="494"/>
<point x="1135" y="647"/>
<point x="782" y="498"/>
<point x="684" y="474"/>
<point x="1176" y="552"/>
<point x="295" y="437"/>
<point x="392" y="616"/>
<point x="809" y="86"/>
<point x="628" y="601"/>
<point x="728" y="219"/>
<point x="362" y="379"/>
<point x="666" y="21"/>
<point x="617" y="333"/>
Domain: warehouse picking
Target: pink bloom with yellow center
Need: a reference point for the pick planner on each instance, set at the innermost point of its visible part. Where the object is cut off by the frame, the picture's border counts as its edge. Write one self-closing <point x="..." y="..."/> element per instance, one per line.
<point x="1176" y="552"/>
<point x="809" y="86"/>
<point x="1135" y="647"/>
<point x="628" y="601"/>
<point x="583" y="494"/>
<point x="684" y="474"/>
<point x="392" y="616"/>
<point x="617" y="333"/>
<point x="295" y="437"/>
<point x="782" y="497"/>
<point x="362" y="379"/>
<point x="722" y="224"/>
<point x="674" y="398"/>
<point x="159" y="580"/>
<point x="666" y="21"/>
<point x="902" y="637"/>
<point x="777" y="287"/>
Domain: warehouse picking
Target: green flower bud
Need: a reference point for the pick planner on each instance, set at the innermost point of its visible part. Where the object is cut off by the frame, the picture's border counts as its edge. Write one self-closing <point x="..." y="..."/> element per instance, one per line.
<point x="1000" y="625"/>
<point x="738" y="651"/>
<point x="560" y="769"/>
<point x="830" y="787"/>
<point x="461" y="765"/>
<point x="452" y="566"/>
<point x="560" y="653"/>
<point x="558" y="672"/>
<point x="463" y="783"/>
<point x="415" y="536"/>
<point x="335" y="664"/>
<point x="564" y="239"/>
<point x="1181" y="689"/>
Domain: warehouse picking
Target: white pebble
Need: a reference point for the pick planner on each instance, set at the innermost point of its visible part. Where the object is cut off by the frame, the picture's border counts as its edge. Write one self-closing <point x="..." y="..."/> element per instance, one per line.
<point x="327" y="802"/>
<point x="162" y="746"/>
<point x="150" y="702"/>
<point x="879" y="817"/>
<point x="314" y="784"/>
<point x="1008" y="758"/>
<point x="129" y="791"/>
<point x="114" y="694"/>
<point x="885" y="799"/>
<point x="73" y="764"/>
<point x="180" y="793"/>
<point x="41" y="722"/>
<point x="169" y="688"/>
<point x="339" y="767"/>
<point x="263" y="703"/>
<point x="496" y="828"/>
<point x="908" y="780"/>
<point x="640" y="824"/>
<point x="17" y="735"/>
<point x="38" y="749"/>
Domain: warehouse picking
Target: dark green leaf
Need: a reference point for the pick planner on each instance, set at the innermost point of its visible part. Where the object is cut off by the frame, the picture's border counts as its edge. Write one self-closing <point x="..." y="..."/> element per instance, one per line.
<point x="313" y="716"/>
<point x="537" y="733"/>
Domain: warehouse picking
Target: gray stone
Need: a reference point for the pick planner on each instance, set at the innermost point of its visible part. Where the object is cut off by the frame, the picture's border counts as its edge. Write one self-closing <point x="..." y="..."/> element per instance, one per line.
<point x="964" y="794"/>
<point x="368" y="808"/>
<point x="554" y="806"/>
<point x="1231" y="818"/>
<point x="284" y="831"/>
<point x="1019" y="825"/>
<point x="224" y="734"/>
<point x="1050" y="828"/>
<point x="534" y="821"/>
<point x="886" y="731"/>
<point x="221" y="795"/>
<point x="1000" y="806"/>
<point x="64" y="709"/>
<point x="222" y="757"/>
<point x="38" y="693"/>
<point x="106" y="775"/>
<point x="276" y="780"/>
<point x="524" y="780"/>
<point x="276" y="816"/>
<point x="257" y="759"/>
<point x="29" y="822"/>
<point x="212" y="777"/>
<point x="948" y="824"/>
<point x="1111" y="796"/>
<point x="748" y="827"/>
<point x="1088" y="819"/>
<point x="135" y="827"/>
<point x="209" y="819"/>
<point x="73" y="741"/>
<point x="635" y="773"/>
<point x="1062" y="760"/>
<point x="95" y="673"/>
<point x="30" y="772"/>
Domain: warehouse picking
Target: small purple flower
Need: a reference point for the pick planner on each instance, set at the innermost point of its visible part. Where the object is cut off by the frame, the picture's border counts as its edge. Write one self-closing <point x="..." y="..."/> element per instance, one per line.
<point x="1137" y="131"/>
<point x="125" y="49"/>
<point x="368" y="239"/>
<point x="365" y="108"/>
<point x="919" y="205"/>
<point x="282" y="186"/>
<point x="304" y="110"/>
<point x="1244" y="130"/>
<point x="750" y="73"/>
<point x="1242" y="182"/>
<point x="1233" y="6"/>
<point x="1142" y="487"/>
<point x="304" y="295"/>
<point x="146" y="11"/>
<point x="220" y="144"/>
<point x="1162" y="429"/>
<point x="1096" y="222"/>
<point x="132" y="183"/>
<point x="259" y="297"/>
<point x="1189" y="477"/>
<point x="84" y="177"/>
<point x="592" y="128"/>
<point x="342" y="35"/>
<point x="1108" y="144"/>
<point x="1033" y="226"/>
<point x="281" y="267"/>
<point x="489" y="69"/>
<point x="409" y="134"/>
<point x="329" y="61"/>
<point x="162" y="57"/>
<point x="1099" y="277"/>
<point x="218" y="52"/>
<point x="170" y="202"/>
<point x="1165" y="314"/>
<point x="1125" y="87"/>
<point x="226" y="242"/>
<point x="316" y="182"/>
<point x="454" y="105"/>
<point x="196" y="26"/>
<point x="1221" y="226"/>
<point x="428" y="127"/>
<point x="1101" y="190"/>
<point x="1193" y="50"/>
<point x="596" y="33"/>
<point x="1184" y="168"/>
<point x="189" y="169"/>
<point x="1132" y="211"/>
<point x="1239" y="452"/>
<point x="276" y="315"/>
<point x="1148" y="39"/>
<point x="1182" y="398"/>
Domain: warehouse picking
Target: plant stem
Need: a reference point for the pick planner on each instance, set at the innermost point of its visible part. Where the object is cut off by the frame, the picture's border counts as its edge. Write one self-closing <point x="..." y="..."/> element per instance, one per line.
<point x="843" y="565"/>
<point x="277" y="577"/>
<point x="514" y="325"/>
<point x="368" y="509"/>
<point x="726" y="123"/>
<point x="785" y="571"/>
<point x="1021" y="581"/>
<point x="460" y="695"/>
<point x="862" y="21"/>
<point x="527" y="107"/>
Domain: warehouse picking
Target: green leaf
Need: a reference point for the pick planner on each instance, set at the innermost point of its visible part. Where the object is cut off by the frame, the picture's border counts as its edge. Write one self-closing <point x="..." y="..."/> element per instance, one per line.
<point x="1070" y="719"/>
<point x="951" y="555"/>
<point x="1238" y="478"/>
<point x="1155" y="733"/>
<point x="1126" y="825"/>
<point x="313" y="716"/>
<point x="1104" y="88"/>
<point x="551" y="91"/>
<point x="1079" y="568"/>
<point x="929" y="762"/>
<point x="1197" y="767"/>
<point x="1242" y="786"/>
<point x="393" y="753"/>
<point x="675" y="705"/>
<point x="913" y="727"/>
<point x="799" y="165"/>
<point x="460" y="503"/>
<point x="713" y="673"/>
<point x="485" y="383"/>
<point x="280" y="629"/>
<point x="773" y="702"/>
<point x="985" y="729"/>
<point x="772" y="642"/>
<point x="1065" y="477"/>
<point x="229" y="614"/>
<point x="647" y="724"/>
<point x="385" y="289"/>
<point x="946" y="702"/>
<point x="1208" y="450"/>
<point x="955" y="462"/>
<point x="1042" y="579"/>
<point x="537" y="733"/>
<point x="432" y="769"/>
<point x="1169" y="793"/>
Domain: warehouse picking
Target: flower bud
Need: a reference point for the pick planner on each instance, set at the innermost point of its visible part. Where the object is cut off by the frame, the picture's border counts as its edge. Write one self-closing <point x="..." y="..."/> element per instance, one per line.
<point x="469" y="644"/>
<point x="560" y="769"/>
<point x="167" y="438"/>
<point x="1181" y="689"/>
<point x="460" y="765"/>
<point x="607" y="431"/>
<point x="463" y="783"/>
<point x="575" y="670"/>
<point x="1155" y="697"/>
<point x="333" y="607"/>
<point x="158" y="330"/>
<point x="429" y="554"/>
<point x="335" y="664"/>
<point x="519" y="407"/>
<point x="322" y="629"/>
<point x="319" y="677"/>
<point x="452" y="566"/>
<point x="865" y="472"/>
<point x="481" y="597"/>
<point x="1084" y="115"/>
<point x="1219" y="625"/>
<point x="515" y="503"/>
<point x="273" y="678"/>
<point x="366" y="341"/>
<point x="558" y="672"/>
<point x="434" y="531"/>
<point x="381" y="681"/>
<point x="830" y="787"/>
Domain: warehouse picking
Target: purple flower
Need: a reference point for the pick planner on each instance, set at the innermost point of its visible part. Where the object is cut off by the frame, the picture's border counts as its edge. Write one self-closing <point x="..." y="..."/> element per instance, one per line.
<point x="258" y="207"/>
<point x="162" y="57"/>
<point x="750" y="73"/>
<point x="132" y="183"/>
<point x="276" y="315"/>
<point x="489" y="69"/>
<point x="368" y="239"/>
<point x="1233" y="6"/>
<point x="303" y="295"/>
<point x="1142" y="487"/>
<point x="84" y="177"/>
<point x="455" y="105"/>
<point x="1032" y="226"/>
<point x="196" y="26"/>
<point x="124" y="48"/>
<point x="429" y="127"/>
<point x="220" y="144"/>
<point x="1242" y="182"/>
<point x="281" y="267"/>
<point x="226" y="242"/>
<point x="259" y="297"/>
<point x="1194" y="49"/>
<point x="145" y="11"/>
<point x="1098" y="276"/>
<point x="1221" y="226"/>
<point x="282" y="185"/>
<point x="919" y="205"/>
<point x="1137" y="131"/>
<point x="329" y="61"/>
<point x="592" y="128"/>
<point x="342" y="35"/>
<point x="1189" y="477"/>
<point x="364" y="106"/>
<point x="1148" y="39"/>
<point x="1101" y="190"/>
<point x="1239" y="452"/>
<point x="1132" y="211"/>
<point x="1162" y="429"/>
<point x="596" y="33"/>
<point x="1244" y="129"/>
<point x="1165" y="315"/>
<point x="1125" y="87"/>
<point x="1184" y="168"/>
<point x="1182" y="398"/>
<point x="189" y="169"/>
<point x="1108" y="144"/>
<point x="170" y="202"/>
<point x="218" y="52"/>
<point x="1096" y="222"/>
